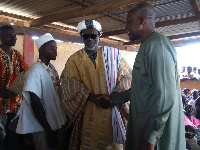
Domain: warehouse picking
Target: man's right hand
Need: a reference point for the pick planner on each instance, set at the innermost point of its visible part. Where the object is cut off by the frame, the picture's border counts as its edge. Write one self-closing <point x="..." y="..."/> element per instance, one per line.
<point x="144" y="145"/>
<point x="101" y="102"/>
<point x="6" y="94"/>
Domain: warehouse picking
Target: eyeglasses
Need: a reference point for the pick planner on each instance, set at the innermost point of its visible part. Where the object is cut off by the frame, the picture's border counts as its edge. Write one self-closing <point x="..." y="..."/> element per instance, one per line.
<point x="86" y="36"/>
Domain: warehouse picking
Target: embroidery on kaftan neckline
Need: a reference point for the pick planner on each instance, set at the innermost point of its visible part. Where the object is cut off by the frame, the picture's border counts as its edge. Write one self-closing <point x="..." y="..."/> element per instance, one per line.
<point x="56" y="82"/>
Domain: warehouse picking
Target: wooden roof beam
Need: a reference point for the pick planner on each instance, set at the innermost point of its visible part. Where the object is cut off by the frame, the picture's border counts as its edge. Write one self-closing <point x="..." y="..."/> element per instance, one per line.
<point x="81" y="12"/>
<point x="115" y="32"/>
<point x="186" y="35"/>
<point x="196" y="6"/>
<point x="158" y="25"/>
<point x="107" y="13"/>
<point x="177" y="21"/>
<point x="173" y="37"/>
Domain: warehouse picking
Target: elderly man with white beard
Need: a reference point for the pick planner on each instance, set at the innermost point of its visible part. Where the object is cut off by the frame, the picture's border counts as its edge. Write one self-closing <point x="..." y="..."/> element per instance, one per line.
<point x="88" y="73"/>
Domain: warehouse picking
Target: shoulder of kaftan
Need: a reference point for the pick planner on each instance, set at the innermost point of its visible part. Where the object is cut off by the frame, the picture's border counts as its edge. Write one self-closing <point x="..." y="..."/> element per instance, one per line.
<point x="23" y="65"/>
<point x="71" y="69"/>
<point x="124" y="77"/>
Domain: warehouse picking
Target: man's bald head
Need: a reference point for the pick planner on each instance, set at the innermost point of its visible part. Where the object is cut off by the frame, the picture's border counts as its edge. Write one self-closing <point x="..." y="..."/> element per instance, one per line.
<point x="144" y="9"/>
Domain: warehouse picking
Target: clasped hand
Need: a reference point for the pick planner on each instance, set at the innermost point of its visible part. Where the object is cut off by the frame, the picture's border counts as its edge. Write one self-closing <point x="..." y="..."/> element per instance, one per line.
<point x="101" y="101"/>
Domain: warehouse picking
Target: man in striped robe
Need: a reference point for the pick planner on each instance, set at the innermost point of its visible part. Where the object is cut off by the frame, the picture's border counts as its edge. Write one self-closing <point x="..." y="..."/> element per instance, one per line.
<point x="88" y="73"/>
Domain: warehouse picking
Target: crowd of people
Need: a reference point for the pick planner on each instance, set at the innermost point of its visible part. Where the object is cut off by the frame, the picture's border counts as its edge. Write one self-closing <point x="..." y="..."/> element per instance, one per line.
<point x="191" y="108"/>
<point x="189" y="73"/>
<point x="99" y="102"/>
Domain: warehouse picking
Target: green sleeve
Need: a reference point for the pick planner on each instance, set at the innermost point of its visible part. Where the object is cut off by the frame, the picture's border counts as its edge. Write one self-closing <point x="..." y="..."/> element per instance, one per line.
<point x="121" y="97"/>
<point x="160" y="63"/>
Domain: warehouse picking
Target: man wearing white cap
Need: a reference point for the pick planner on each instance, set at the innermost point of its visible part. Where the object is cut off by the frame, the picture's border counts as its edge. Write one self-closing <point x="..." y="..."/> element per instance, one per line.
<point x="41" y="113"/>
<point x="89" y="72"/>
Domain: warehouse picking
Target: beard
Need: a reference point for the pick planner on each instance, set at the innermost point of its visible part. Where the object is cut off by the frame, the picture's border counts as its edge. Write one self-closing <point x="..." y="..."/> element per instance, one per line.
<point x="91" y="48"/>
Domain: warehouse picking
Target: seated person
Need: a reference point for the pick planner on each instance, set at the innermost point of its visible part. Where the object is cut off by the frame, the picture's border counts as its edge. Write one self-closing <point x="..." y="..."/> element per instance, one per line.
<point x="189" y="118"/>
<point x="183" y="73"/>
<point x="190" y="74"/>
<point x="191" y="139"/>
<point x="194" y="97"/>
<point x="187" y="94"/>
<point x="198" y="70"/>
<point x="183" y="101"/>
<point x="192" y="122"/>
<point x="197" y="107"/>
<point x="195" y="70"/>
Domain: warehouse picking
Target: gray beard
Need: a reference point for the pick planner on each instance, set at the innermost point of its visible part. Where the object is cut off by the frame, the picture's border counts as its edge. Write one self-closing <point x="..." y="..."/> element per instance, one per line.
<point x="90" y="49"/>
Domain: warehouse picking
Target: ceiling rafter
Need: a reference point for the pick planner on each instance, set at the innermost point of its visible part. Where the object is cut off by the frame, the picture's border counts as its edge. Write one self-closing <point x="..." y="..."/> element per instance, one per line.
<point x="195" y="6"/>
<point x="14" y="16"/>
<point x="186" y="35"/>
<point x="173" y="38"/>
<point x="11" y="18"/>
<point x="107" y="13"/>
<point x="21" y="21"/>
<point x="158" y="24"/>
<point x="81" y="12"/>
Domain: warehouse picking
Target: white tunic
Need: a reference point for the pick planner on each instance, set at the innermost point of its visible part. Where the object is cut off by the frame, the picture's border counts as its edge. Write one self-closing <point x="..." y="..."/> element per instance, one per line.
<point x="39" y="81"/>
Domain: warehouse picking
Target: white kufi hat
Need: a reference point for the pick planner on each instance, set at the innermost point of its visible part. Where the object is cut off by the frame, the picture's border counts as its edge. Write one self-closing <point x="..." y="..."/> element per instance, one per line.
<point x="44" y="39"/>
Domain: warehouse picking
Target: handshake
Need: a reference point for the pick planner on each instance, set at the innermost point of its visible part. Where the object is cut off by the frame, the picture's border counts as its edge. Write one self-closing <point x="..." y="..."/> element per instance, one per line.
<point x="101" y="101"/>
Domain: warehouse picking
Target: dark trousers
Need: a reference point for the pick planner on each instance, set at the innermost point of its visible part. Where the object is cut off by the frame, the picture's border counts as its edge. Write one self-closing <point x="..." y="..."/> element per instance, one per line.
<point x="9" y="139"/>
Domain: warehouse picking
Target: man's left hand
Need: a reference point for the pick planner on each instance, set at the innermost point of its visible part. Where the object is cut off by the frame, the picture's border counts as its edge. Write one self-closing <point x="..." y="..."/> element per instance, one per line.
<point x="144" y="145"/>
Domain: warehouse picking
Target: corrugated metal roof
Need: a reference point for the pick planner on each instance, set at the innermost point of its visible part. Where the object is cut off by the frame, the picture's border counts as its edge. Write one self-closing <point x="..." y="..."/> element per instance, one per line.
<point x="111" y="20"/>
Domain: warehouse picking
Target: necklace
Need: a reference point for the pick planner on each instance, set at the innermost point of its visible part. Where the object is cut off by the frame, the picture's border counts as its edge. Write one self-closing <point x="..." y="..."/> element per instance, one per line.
<point x="56" y="82"/>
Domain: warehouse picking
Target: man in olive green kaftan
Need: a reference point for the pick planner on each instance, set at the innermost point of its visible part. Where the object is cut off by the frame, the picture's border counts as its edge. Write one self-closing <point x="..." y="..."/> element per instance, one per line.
<point x="156" y="112"/>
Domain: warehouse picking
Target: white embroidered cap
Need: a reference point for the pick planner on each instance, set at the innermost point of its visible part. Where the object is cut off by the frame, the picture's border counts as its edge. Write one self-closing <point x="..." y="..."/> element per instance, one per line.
<point x="89" y="24"/>
<point x="43" y="39"/>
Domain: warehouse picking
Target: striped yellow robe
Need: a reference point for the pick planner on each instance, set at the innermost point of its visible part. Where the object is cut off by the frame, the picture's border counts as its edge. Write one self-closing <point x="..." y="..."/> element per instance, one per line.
<point x="92" y="126"/>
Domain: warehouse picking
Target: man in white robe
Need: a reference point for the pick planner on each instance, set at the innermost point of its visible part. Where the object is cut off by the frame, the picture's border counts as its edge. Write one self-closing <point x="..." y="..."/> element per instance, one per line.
<point x="41" y="113"/>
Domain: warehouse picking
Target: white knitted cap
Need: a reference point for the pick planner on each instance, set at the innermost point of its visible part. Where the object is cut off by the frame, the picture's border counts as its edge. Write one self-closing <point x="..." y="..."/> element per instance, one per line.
<point x="44" y="39"/>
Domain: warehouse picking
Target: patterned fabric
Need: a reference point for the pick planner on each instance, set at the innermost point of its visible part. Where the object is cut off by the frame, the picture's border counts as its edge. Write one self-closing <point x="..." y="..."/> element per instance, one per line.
<point x="92" y="126"/>
<point x="56" y="82"/>
<point x="92" y="57"/>
<point x="89" y="24"/>
<point x="111" y="57"/>
<point x="8" y="73"/>
<point x="193" y="122"/>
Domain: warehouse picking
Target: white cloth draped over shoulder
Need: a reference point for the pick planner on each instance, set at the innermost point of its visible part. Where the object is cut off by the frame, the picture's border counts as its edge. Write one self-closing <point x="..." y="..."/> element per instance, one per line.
<point x="111" y="57"/>
<point x="39" y="81"/>
<point x="78" y="79"/>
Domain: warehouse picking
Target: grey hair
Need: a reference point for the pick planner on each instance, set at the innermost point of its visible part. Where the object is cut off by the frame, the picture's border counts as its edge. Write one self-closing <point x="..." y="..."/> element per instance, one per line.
<point x="144" y="9"/>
